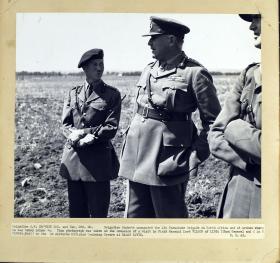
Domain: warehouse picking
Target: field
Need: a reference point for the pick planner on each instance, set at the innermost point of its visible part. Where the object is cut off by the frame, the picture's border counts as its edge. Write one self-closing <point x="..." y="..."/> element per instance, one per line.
<point x="41" y="192"/>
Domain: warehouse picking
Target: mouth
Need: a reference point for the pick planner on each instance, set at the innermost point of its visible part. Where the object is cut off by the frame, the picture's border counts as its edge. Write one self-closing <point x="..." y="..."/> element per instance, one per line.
<point x="256" y="36"/>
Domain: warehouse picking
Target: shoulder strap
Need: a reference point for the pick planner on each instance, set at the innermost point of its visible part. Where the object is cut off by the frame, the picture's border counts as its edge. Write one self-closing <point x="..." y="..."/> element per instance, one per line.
<point x="246" y="103"/>
<point x="191" y="60"/>
<point x="77" y="91"/>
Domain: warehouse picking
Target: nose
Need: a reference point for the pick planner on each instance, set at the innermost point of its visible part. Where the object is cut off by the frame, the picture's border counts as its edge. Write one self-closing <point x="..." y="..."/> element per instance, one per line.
<point x="150" y="42"/>
<point x="99" y="67"/>
<point x="252" y="25"/>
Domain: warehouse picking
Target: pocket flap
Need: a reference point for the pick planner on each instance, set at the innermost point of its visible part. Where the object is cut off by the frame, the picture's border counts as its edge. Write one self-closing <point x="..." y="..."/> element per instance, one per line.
<point x="98" y="104"/>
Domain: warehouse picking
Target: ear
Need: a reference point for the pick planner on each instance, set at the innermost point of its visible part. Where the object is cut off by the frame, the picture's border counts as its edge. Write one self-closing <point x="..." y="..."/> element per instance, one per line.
<point x="172" y="40"/>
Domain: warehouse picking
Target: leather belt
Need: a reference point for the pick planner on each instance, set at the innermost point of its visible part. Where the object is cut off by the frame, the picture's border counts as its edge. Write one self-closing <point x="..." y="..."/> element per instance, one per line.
<point x="164" y="116"/>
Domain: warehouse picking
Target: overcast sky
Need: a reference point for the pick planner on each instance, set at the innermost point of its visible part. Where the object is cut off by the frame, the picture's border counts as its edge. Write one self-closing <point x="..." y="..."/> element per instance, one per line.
<point x="56" y="41"/>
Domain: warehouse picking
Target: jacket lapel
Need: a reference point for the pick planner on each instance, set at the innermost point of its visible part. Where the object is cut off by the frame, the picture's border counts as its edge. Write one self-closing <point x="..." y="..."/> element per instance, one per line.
<point x="257" y="77"/>
<point x="154" y="69"/>
<point x="95" y="92"/>
<point x="82" y="93"/>
<point x="166" y="72"/>
<point x="93" y="96"/>
<point x="156" y="73"/>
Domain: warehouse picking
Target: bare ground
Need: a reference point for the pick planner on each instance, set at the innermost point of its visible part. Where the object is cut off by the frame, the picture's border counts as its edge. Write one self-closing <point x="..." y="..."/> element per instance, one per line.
<point x="41" y="192"/>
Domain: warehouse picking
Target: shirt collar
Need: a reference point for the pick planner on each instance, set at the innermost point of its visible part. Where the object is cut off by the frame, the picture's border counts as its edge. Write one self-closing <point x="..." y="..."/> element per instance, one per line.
<point x="173" y="62"/>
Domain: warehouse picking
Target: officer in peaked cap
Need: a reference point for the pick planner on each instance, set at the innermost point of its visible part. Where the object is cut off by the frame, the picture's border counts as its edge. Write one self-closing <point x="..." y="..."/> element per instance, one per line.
<point x="161" y="26"/>
<point x="249" y="17"/>
<point x="162" y="146"/>
<point x="90" y="120"/>
<point x="235" y="137"/>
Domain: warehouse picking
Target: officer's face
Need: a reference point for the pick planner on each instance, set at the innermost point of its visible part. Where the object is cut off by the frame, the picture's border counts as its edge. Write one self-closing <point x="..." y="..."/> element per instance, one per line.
<point x="94" y="69"/>
<point x="160" y="46"/>
<point x="256" y="28"/>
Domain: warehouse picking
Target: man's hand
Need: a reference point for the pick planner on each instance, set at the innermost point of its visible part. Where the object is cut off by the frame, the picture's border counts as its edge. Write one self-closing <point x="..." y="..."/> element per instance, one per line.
<point x="75" y="135"/>
<point x="87" y="140"/>
<point x="193" y="164"/>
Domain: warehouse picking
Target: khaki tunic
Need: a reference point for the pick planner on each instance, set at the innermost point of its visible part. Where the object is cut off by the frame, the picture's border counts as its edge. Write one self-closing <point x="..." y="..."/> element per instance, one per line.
<point x="99" y="114"/>
<point x="157" y="152"/>
<point x="237" y="141"/>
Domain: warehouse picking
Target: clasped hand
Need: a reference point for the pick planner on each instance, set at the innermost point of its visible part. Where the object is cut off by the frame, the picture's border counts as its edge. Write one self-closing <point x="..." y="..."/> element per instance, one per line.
<point x="78" y="138"/>
<point x="75" y="135"/>
<point x="87" y="140"/>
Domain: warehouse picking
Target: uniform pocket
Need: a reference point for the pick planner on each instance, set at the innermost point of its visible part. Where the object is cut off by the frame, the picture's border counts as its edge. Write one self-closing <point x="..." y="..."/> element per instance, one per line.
<point x="178" y="133"/>
<point x="175" y="151"/>
<point x="176" y="85"/>
<point x="98" y="104"/>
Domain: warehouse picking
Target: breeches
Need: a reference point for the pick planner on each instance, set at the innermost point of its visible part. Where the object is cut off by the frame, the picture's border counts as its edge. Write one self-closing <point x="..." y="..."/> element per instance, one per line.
<point x="88" y="199"/>
<point x="145" y="201"/>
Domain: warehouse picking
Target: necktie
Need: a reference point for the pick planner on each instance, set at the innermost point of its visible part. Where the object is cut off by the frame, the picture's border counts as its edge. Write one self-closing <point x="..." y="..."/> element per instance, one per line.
<point x="89" y="91"/>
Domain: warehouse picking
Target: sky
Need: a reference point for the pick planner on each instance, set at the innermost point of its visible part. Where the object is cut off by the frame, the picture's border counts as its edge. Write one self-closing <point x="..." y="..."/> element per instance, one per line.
<point x="56" y="41"/>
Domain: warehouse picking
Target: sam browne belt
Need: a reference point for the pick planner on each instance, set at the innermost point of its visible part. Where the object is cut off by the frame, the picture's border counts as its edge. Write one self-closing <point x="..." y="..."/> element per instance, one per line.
<point x="164" y="116"/>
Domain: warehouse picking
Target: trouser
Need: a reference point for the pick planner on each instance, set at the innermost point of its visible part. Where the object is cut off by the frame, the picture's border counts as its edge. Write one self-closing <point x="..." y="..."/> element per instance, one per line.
<point x="241" y="197"/>
<point x="145" y="201"/>
<point x="88" y="199"/>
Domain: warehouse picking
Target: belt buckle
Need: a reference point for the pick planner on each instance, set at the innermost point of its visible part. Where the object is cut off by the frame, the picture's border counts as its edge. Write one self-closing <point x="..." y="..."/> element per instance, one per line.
<point x="145" y="113"/>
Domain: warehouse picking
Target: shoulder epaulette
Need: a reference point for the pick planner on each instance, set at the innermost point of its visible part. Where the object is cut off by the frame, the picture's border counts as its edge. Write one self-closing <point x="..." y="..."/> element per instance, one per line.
<point x="250" y="66"/>
<point x="111" y="87"/>
<point x="151" y="64"/>
<point x="78" y="88"/>
<point x="245" y="71"/>
<point x="193" y="61"/>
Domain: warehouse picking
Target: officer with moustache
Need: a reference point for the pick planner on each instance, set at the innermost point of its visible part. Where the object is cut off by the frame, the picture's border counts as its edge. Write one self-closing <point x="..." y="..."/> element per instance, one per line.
<point x="90" y="120"/>
<point x="235" y="137"/>
<point x="162" y="146"/>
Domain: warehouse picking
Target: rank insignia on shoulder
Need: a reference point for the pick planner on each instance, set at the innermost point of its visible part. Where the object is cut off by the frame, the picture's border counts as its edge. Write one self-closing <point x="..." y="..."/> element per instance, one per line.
<point x="193" y="61"/>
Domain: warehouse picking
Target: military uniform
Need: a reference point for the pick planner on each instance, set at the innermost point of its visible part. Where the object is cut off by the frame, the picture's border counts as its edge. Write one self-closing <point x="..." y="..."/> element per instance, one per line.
<point x="235" y="137"/>
<point x="89" y="169"/>
<point x="99" y="114"/>
<point x="159" y="142"/>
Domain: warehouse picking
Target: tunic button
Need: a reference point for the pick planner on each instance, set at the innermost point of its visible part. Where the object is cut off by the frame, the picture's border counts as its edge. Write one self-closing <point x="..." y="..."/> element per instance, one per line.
<point x="84" y="114"/>
<point x="82" y="124"/>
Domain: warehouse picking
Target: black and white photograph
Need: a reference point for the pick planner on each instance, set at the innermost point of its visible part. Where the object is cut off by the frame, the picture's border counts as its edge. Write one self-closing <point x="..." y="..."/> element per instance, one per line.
<point x="139" y="131"/>
<point x="138" y="115"/>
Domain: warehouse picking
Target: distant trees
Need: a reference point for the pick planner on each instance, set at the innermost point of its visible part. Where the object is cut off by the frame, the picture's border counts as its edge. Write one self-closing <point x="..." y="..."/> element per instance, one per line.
<point x="223" y="73"/>
<point x="45" y="74"/>
<point x="48" y="74"/>
<point x="38" y="73"/>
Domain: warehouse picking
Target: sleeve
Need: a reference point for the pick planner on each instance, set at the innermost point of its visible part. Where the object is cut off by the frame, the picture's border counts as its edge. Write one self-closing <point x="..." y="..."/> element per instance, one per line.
<point x="108" y="129"/>
<point x="219" y="145"/>
<point x="208" y="107"/>
<point x="245" y="137"/>
<point x="67" y="118"/>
